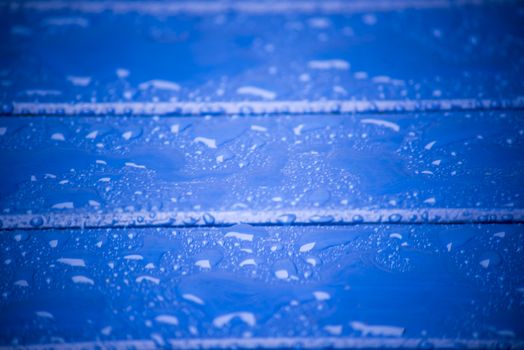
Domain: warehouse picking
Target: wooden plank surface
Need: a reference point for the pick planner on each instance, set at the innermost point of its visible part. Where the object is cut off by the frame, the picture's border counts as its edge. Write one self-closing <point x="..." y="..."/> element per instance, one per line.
<point x="407" y="285"/>
<point x="194" y="57"/>
<point x="241" y="174"/>
<point x="443" y="167"/>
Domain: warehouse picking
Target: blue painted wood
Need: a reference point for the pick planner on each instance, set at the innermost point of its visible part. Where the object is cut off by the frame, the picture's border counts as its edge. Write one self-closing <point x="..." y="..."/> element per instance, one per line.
<point x="367" y="285"/>
<point x="383" y="172"/>
<point x="443" y="167"/>
<point x="442" y="51"/>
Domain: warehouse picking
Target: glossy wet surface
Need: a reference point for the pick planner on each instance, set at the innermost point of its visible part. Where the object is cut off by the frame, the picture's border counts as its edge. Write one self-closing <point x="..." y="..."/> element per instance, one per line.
<point x="245" y="281"/>
<point x="55" y="53"/>
<point x="261" y="175"/>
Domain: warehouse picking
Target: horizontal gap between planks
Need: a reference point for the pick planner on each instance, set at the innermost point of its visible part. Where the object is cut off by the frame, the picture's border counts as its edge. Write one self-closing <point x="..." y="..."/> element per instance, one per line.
<point x="301" y="217"/>
<point x="257" y="107"/>
<point x="288" y="342"/>
<point x="166" y="8"/>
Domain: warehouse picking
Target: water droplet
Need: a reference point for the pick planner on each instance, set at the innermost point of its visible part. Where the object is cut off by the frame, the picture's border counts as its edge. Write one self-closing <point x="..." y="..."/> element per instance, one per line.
<point x="395" y="218"/>
<point x="358" y="218"/>
<point x="190" y="221"/>
<point x="208" y="219"/>
<point x="286" y="219"/>
<point x="36" y="221"/>
<point x="321" y="219"/>
<point x="490" y="259"/>
<point x="281" y="274"/>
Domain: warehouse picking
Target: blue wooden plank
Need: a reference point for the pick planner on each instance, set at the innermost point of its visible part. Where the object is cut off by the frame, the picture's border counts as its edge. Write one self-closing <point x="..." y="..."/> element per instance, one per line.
<point x="366" y="285"/>
<point x="443" y="167"/>
<point x="192" y="57"/>
<point x="437" y="167"/>
<point x="314" y="272"/>
<point x="401" y="168"/>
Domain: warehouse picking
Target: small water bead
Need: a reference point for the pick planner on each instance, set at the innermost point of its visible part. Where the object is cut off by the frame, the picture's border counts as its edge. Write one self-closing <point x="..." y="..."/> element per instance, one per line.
<point x="395" y="218"/>
<point x="322" y="219"/>
<point x="190" y="221"/>
<point x="36" y="221"/>
<point x="208" y="219"/>
<point x="286" y="219"/>
<point x="357" y="218"/>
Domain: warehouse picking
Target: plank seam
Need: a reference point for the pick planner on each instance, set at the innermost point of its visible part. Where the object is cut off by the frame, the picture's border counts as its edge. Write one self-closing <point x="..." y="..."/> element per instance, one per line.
<point x="288" y="342"/>
<point x="163" y="8"/>
<point x="301" y="217"/>
<point x="181" y="108"/>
